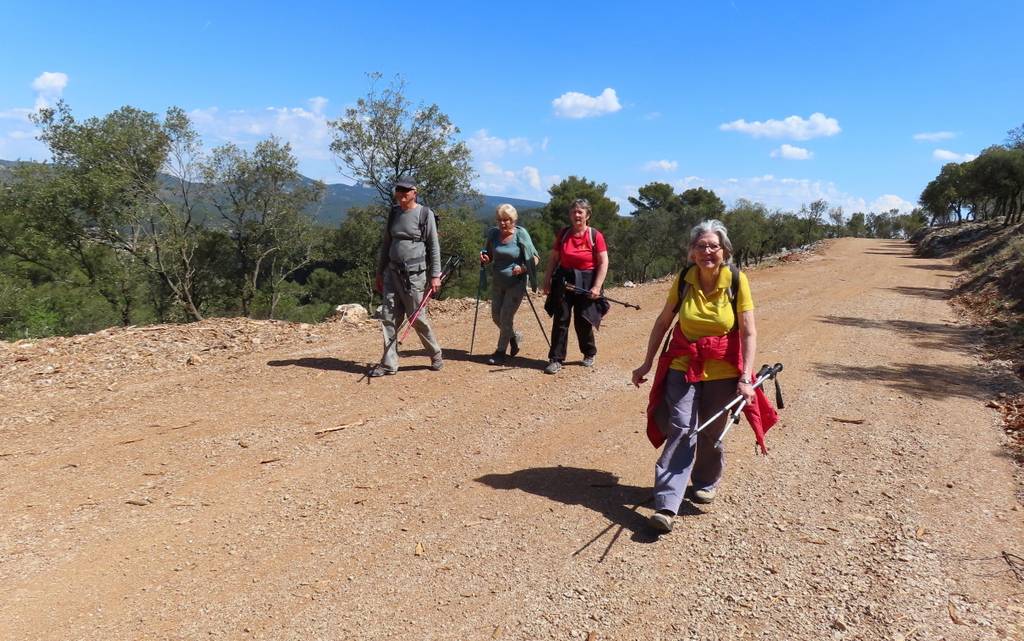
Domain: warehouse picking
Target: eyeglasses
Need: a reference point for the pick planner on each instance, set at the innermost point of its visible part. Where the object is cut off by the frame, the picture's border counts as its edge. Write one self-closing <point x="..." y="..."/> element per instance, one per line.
<point x="707" y="247"/>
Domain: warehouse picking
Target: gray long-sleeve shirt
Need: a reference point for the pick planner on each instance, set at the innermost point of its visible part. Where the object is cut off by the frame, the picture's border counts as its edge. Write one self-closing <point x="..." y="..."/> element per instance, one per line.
<point x="402" y="243"/>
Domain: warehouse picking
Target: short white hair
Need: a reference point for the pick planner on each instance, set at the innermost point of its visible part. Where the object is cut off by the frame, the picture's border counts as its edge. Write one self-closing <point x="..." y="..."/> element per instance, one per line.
<point x="506" y="210"/>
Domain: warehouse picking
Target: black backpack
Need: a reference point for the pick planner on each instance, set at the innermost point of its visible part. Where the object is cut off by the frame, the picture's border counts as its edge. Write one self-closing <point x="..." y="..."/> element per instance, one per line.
<point x="734" y="289"/>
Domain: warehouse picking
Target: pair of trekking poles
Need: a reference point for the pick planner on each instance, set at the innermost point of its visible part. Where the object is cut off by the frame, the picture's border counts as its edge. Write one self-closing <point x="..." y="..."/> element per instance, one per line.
<point x="735" y="407"/>
<point x="452" y="264"/>
<point x="568" y="286"/>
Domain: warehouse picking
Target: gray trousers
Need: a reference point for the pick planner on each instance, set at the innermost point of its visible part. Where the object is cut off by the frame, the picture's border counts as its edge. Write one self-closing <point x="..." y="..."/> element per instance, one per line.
<point x="400" y="302"/>
<point x="687" y="455"/>
<point x="505" y="302"/>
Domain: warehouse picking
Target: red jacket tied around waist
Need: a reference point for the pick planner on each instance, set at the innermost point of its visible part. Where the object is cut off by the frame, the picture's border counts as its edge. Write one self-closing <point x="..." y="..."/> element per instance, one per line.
<point x="760" y="414"/>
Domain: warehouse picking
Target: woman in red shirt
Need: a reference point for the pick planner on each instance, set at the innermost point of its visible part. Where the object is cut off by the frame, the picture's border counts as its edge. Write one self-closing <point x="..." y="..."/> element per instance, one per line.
<point x="579" y="257"/>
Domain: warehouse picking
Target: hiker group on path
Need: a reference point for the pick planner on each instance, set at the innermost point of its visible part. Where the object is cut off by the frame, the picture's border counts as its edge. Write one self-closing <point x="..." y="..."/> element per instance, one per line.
<point x="707" y="361"/>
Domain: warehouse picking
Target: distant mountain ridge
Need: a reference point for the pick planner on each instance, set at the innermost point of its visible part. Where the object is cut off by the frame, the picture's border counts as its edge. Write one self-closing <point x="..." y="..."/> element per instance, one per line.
<point x="339" y="198"/>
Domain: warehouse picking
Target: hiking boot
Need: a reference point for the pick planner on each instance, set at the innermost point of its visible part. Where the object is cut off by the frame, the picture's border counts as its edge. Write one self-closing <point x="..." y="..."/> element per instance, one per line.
<point x="497" y="358"/>
<point x="553" y="367"/>
<point x="379" y="370"/>
<point x="662" y="521"/>
<point x="436" y="362"/>
<point x="588" y="361"/>
<point x="514" y="343"/>
<point x="704" y="496"/>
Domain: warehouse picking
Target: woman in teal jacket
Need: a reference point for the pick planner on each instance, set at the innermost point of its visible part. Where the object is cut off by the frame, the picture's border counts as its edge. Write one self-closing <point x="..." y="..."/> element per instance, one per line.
<point x="510" y="252"/>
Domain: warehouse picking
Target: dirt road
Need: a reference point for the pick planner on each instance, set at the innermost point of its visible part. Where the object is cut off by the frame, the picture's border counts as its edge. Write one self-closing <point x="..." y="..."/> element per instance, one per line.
<point x="192" y="490"/>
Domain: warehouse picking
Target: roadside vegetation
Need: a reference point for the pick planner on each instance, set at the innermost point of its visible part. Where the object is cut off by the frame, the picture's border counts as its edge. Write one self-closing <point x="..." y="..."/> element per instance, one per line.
<point x="133" y="221"/>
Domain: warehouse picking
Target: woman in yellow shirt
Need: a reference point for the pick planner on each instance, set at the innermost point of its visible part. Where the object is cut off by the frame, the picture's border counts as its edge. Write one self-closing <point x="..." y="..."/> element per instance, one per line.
<point x="709" y="361"/>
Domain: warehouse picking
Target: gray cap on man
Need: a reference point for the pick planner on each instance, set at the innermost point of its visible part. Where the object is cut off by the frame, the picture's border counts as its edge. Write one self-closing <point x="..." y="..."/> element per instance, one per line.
<point x="405" y="182"/>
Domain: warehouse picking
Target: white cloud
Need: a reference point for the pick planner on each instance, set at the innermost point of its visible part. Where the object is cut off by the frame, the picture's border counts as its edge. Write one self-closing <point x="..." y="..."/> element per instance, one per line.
<point x="934" y="136"/>
<point x="789" y="152"/>
<point x="487" y="147"/>
<point x="795" y="127"/>
<point x="788" y="194"/>
<point x="305" y="128"/>
<point x="654" y="115"/>
<point x="17" y="132"/>
<point x="532" y="176"/>
<point x="50" y="82"/>
<point x="49" y="86"/>
<point x="578" y="105"/>
<point x="527" y="182"/>
<point x="15" y="114"/>
<point x="885" y="202"/>
<point x="946" y="155"/>
<point x="661" y="165"/>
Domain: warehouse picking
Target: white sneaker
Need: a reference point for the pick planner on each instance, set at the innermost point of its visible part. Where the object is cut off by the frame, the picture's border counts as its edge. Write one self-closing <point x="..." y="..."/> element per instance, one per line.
<point x="661" y="521"/>
<point x="704" y="496"/>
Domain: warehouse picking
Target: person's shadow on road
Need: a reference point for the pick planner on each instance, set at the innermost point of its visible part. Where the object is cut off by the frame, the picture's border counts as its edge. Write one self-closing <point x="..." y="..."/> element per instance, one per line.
<point x="595" y="489"/>
<point x="327" y="364"/>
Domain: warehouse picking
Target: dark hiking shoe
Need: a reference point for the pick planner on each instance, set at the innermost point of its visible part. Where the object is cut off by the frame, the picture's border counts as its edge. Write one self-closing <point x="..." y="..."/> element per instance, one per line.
<point x="704" y="496"/>
<point x="588" y="361"/>
<point x="514" y="343"/>
<point x="662" y="521"/>
<point x="436" y="362"/>
<point x="497" y="358"/>
<point x="380" y="370"/>
<point x="553" y="367"/>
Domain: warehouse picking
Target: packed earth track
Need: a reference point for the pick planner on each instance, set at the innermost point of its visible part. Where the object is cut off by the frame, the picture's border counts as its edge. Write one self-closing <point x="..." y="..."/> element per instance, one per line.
<point x="237" y="480"/>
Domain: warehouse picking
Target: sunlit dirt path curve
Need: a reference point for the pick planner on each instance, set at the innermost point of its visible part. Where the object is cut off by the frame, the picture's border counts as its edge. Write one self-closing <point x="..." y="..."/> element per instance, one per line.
<point x="220" y="499"/>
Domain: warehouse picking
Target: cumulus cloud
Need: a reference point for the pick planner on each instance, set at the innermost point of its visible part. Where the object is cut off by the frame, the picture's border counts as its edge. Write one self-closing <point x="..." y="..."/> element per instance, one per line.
<point x="946" y="155"/>
<point x="789" y="152"/>
<point x="50" y="82"/>
<point x="579" y="105"/>
<point x="526" y="182"/>
<point x="885" y="202"/>
<point x="789" y="194"/>
<point x="487" y="147"/>
<point x="17" y="132"/>
<point x="934" y="136"/>
<point x="817" y="126"/>
<point x="305" y="128"/>
<point x="49" y="86"/>
<point x="661" y="165"/>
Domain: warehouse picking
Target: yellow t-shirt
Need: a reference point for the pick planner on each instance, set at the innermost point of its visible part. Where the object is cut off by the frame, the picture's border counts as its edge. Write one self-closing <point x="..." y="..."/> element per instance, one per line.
<point x="701" y="316"/>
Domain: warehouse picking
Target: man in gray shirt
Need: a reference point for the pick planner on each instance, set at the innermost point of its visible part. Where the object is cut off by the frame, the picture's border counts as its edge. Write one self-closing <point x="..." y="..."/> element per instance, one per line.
<point x="409" y="254"/>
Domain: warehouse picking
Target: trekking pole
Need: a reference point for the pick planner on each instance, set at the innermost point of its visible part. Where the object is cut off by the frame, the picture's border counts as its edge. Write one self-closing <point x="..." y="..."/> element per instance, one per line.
<point x="451" y="265"/>
<point x="476" y="314"/>
<point x="579" y="290"/>
<point x="537" y="316"/>
<point x="736" y="405"/>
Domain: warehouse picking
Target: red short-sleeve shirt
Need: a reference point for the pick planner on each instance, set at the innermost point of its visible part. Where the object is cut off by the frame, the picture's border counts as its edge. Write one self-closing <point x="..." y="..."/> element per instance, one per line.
<point x="577" y="252"/>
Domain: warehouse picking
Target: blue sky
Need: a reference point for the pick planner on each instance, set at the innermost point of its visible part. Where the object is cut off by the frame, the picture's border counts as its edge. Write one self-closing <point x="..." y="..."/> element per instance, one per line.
<point x="859" y="103"/>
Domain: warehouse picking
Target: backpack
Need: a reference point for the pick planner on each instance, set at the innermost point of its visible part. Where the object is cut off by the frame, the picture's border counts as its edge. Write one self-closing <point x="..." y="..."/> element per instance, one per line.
<point x="593" y="240"/>
<point x="734" y="289"/>
<point x="424" y="212"/>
